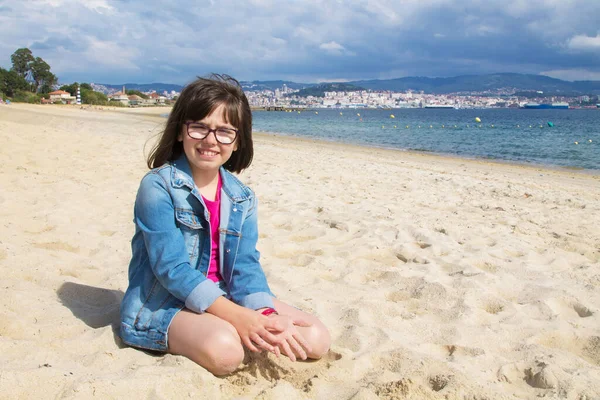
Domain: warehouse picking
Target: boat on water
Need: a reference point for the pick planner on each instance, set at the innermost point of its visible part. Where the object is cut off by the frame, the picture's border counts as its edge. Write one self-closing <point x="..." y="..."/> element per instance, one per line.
<point x="546" y="106"/>
<point x="439" y="106"/>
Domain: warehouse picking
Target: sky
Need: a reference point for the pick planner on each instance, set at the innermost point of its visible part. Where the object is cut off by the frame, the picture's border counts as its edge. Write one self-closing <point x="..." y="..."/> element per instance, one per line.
<point x="147" y="41"/>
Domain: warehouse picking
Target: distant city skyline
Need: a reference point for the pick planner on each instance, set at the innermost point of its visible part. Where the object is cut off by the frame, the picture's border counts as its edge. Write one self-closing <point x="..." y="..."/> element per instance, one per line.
<point x="305" y="41"/>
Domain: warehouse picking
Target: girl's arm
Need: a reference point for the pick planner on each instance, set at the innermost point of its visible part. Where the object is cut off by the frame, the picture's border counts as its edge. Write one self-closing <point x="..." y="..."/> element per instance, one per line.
<point x="248" y="285"/>
<point x="154" y="215"/>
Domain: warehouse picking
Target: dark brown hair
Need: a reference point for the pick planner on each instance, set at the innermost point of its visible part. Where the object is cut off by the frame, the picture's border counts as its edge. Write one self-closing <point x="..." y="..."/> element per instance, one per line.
<point x="198" y="100"/>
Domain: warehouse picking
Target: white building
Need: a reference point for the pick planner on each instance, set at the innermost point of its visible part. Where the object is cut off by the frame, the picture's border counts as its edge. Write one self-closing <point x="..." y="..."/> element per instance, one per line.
<point x="60" y="96"/>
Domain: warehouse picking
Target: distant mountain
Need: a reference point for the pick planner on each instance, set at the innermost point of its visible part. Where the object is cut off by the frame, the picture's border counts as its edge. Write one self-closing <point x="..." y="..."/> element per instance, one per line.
<point x="145" y="87"/>
<point x="482" y="83"/>
<point x="456" y="84"/>
<point x="463" y="83"/>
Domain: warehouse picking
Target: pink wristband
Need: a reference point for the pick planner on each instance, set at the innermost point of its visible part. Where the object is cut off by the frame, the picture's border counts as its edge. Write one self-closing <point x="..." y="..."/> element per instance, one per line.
<point x="268" y="311"/>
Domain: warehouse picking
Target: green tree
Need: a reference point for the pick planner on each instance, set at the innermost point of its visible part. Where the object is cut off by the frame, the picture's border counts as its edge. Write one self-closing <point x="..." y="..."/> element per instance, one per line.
<point x="137" y="92"/>
<point x="72" y="88"/>
<point x="45" y="89"/>
<point x="88" y="95"/>
<point x="26" y="69"/>
<point x="21" y="61"/>
<point x="11" y="82"/>
<point x="92" y="97"/>
<point x="40" y="72"/>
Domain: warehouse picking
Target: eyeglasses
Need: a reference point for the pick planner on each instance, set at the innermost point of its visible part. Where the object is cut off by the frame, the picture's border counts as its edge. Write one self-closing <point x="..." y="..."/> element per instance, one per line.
<point x="199" y="131"/>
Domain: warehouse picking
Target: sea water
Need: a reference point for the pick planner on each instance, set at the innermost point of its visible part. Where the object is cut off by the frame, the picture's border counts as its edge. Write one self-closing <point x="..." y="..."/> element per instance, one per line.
<point x="514" y="135"/>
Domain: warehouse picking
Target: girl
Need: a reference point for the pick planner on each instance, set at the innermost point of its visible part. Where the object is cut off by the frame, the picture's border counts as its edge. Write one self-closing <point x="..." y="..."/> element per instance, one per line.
<point x="196" y="287"/>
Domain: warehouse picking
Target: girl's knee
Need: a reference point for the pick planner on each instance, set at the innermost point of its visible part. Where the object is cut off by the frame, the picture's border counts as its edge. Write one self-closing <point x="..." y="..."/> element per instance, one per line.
<point x="319" y="339"/>
<point x="223" y="353"/>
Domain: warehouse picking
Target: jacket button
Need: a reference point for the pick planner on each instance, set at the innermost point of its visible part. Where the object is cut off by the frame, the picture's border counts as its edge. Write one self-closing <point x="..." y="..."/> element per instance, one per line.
<point x="235" y="209"/>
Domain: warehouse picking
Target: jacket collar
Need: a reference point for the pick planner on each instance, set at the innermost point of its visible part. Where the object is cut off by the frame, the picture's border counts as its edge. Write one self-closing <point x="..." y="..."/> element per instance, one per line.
<point x="181" y="175"/>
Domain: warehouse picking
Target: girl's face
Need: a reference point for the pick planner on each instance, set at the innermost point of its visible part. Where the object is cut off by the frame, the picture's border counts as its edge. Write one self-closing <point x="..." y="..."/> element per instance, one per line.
<point x="207" y="155"/>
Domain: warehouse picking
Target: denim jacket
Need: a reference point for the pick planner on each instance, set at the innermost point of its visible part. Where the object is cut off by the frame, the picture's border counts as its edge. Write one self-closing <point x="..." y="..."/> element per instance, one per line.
<point x="171" y="253"/>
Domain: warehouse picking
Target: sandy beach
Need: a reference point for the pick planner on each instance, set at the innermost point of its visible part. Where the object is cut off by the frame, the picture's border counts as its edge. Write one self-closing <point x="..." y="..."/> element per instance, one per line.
<point x="439" y="277"/>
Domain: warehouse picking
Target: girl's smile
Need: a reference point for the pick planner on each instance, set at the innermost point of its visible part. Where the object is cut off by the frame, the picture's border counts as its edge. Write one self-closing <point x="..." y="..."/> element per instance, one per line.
<point x="207" y="153"/>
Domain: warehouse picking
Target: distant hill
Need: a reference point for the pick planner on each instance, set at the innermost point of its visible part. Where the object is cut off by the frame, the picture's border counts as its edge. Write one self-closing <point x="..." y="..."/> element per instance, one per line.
<point x="456" y="84"/>
<point x="463" y="83"/>
<point x="482" y="83"/>
<point x="145" y="87"/>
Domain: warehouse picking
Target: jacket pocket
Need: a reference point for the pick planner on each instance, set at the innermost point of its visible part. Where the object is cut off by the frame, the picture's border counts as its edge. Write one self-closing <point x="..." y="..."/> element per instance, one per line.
<point x="154" y="310"/>
<point x="192" y="230"/>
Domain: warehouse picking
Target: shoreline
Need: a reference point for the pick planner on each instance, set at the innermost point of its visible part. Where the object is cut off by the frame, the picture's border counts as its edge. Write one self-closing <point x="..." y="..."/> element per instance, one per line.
<point x="158" y="112"/>
<point x="456" y="158"/>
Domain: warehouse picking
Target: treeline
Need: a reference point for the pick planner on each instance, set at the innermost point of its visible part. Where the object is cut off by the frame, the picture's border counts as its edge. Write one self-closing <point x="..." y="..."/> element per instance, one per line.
<point x="319" y="90"/>
<point x="88" y="95"/>
<point x="30" y="80"/>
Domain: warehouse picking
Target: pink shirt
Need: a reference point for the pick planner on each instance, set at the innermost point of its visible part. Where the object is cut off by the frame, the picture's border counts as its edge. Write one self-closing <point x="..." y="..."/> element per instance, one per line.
<point x="214" y="208"/>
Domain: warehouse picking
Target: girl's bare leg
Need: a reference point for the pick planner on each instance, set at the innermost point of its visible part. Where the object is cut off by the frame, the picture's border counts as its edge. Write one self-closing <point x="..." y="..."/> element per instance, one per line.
<point x="207" y="340"/>
<point x="316" y="335"/>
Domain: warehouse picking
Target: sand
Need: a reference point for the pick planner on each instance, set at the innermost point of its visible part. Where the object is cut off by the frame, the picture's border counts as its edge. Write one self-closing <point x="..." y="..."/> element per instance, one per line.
<point x="438" y="277"/>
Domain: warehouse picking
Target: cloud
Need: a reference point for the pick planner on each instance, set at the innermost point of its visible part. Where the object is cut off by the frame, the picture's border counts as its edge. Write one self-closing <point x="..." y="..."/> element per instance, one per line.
<point x="573" y="74"/>
<point x="111" y="54"/>
<point x="303" y="40"/>
<point x="99" y="6"/>
<point x="54" y="43"/>
<point x="333" y="48"/>
<point x="584" y="43"/>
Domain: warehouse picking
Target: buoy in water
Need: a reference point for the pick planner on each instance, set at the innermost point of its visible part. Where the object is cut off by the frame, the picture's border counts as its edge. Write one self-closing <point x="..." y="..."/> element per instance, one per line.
<point x="590" y="140"/>
<point x="341" y="113"/>
<point x="358" y="114"/>
<point x="392" y="116"/>
<point x="550" y="124"/>
<point x="477" y="119"/>
<point x="576" y="142"/>
<point x="316" y="112"/>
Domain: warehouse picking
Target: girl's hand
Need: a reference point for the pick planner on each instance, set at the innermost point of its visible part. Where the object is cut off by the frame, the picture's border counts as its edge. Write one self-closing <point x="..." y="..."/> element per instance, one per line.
<point x="256" y="330"/>
<point x="290" y="340"/>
